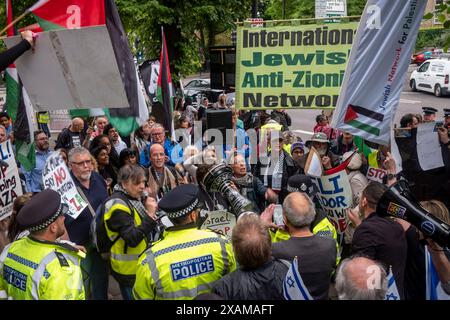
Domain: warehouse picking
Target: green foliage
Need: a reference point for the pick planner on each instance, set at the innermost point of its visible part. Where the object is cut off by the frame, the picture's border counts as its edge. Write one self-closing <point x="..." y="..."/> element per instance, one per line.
<point x="301" y="9"/>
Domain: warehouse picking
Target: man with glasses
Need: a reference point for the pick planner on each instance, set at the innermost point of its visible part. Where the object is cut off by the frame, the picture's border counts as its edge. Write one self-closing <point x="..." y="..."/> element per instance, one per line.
<point x="92" y="187"/>
<point x="172" y="150"/>
<point x="33" y="178"/>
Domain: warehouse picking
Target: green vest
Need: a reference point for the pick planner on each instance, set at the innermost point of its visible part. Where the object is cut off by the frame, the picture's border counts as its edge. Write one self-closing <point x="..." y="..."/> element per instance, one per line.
<point x="36" y="270"/>
<point x="185" y="263"/>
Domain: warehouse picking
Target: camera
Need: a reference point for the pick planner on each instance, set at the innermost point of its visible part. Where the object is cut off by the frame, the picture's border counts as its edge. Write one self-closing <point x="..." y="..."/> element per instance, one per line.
<point x="399" y="202"/>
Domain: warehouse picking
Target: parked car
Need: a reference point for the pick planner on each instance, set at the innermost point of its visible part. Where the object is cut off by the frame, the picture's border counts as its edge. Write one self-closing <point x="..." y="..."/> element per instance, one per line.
<point x="432" y="76"/>
<point x="199" y="88"/>
<point x="421" y="57"/>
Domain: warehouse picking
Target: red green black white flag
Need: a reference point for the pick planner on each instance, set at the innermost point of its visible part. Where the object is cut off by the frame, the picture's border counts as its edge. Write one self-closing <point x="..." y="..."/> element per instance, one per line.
<point x="363" y="119"/>
<point x="165" y="94"/>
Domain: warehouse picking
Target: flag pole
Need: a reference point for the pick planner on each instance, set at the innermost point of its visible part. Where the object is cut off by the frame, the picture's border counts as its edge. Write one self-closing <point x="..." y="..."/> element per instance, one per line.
<point x="14" y="22"/>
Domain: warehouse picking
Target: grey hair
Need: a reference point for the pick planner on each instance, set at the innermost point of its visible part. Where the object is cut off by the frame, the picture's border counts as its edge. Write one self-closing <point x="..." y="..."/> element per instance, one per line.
<point x="157" y="125"/>
<point x="348" y="290"/>
<point x="131" y="173"/>
<point x="76" y="151"/>
<point x="2" y="127"/>
<point x="299" y="218"/>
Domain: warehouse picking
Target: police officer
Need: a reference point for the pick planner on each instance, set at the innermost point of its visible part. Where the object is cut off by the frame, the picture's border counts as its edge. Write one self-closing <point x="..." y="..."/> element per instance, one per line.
<point x="429" y="114"/>
<point x="447" y="119"/>
<point x="187" y="261"/>
<point x="37" y="267"/>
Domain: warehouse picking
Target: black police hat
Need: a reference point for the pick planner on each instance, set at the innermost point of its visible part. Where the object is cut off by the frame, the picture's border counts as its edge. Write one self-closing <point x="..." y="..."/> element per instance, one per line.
<point x="41" y="211"/>
<point x="446" y="113"/>
<point x="429" y="110"/>
<point x="302" y="183"/>
<point x="180" y="201"/>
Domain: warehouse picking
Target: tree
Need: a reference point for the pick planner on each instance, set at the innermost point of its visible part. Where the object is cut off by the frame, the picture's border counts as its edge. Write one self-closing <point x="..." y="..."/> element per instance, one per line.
<point x="442" y="12"/>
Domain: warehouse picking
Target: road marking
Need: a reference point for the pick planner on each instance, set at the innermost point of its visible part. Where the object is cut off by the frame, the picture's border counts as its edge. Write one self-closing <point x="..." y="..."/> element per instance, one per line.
<point x="410" y="101"/>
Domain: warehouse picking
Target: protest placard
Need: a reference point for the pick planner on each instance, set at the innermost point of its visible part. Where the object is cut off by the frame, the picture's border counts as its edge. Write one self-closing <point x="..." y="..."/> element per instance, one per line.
<point x="335" y="196"/>
<point x="10" y="186"/>
<point x="428" y="147"/>
<point x="376" y="174"/>
<point x="297" y="66"/>
<point x="56" y="176"/>
<point x="221" y="222"/>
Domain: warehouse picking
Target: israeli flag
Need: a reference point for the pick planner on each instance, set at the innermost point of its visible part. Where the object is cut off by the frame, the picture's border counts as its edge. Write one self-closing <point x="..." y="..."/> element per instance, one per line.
<point x="434" y="287"/>
<point x="392" y="291"/>
<point x="293" y="286"/>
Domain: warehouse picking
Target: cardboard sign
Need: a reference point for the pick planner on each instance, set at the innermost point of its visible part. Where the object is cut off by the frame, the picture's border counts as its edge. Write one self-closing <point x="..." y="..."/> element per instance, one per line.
<point x="335" y="196"/>
<point x="220" y="221"/>
<point x="376" y="174"/>
<point x="77" y="66"/>
<point x="428" y="147"/>
<point x="10" y="186"/>
<point x="56" y="176"/>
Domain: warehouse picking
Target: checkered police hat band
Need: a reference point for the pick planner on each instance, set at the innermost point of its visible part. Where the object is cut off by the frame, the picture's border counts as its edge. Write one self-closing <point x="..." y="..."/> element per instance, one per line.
<point x="183" y="212"/>
<point x="63" y="208"/>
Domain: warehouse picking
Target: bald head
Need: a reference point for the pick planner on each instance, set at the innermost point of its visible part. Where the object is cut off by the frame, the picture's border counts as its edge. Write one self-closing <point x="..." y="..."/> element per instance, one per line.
<point x="77" y="125"/>
<point x="360" y="278"/>
<point x="157" y="156"/>
<point x="299" y="210"/>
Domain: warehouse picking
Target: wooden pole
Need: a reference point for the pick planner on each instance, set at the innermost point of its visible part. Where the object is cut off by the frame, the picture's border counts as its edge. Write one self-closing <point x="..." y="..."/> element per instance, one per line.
<point x="14" y="22"/>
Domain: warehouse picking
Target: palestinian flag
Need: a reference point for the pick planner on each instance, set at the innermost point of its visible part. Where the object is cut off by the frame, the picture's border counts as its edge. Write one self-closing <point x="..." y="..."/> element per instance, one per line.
<point x="19" y="107"/>
<point x="363" y="119"/>
<point x="164" y="93"/>
<point x="72" y="14"/>
<point x="68" y="14"/>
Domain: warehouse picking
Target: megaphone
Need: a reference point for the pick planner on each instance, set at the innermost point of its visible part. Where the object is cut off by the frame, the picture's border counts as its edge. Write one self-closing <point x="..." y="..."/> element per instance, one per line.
<point x="399" y="202"/>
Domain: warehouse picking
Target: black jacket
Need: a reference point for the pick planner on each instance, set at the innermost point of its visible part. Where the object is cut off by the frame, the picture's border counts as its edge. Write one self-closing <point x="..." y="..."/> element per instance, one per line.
<point x="384" y="240"/>
<point x="264" y="283"/>
<point x="289" y="169"/>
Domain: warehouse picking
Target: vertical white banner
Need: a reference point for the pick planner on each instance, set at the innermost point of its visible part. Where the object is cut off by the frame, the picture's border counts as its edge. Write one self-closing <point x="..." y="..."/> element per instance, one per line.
<point x="10" y="186"/>
<point x="377" y="68"/>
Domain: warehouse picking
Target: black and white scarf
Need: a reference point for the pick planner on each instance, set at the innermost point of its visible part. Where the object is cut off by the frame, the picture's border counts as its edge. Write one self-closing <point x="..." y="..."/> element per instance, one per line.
<point x="137" y="204"/>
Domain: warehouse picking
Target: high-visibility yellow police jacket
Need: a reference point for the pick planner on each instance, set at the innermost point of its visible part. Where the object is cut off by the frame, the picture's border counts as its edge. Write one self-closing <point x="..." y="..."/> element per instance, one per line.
<point x="123" y="257"/>
<point x="182" y="265"/>
<point x="31" y="269"/>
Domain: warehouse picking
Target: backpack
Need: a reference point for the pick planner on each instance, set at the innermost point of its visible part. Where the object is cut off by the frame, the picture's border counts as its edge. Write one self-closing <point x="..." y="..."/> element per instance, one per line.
<point x="99" y="235"/>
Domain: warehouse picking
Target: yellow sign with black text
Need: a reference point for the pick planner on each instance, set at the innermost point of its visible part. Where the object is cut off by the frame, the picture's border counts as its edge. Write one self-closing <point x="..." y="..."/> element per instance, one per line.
<point x="292" y="66"/>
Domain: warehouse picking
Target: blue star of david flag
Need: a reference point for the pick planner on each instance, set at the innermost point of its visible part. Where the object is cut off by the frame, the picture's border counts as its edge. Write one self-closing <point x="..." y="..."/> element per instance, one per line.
<point x="293" y="286"/>
<point x="392" y="291"/>
<point x="434" y="289"/>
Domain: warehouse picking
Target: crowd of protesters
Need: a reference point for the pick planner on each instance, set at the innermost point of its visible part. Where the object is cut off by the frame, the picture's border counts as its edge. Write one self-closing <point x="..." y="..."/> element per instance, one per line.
<point x="134" y="180"/>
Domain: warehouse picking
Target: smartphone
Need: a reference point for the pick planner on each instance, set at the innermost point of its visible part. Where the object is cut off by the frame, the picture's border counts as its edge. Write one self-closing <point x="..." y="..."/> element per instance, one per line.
<point x="278" y="215"/>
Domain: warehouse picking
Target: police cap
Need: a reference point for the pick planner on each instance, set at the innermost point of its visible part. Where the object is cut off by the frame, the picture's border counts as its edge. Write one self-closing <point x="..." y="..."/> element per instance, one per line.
<point x="429" y="110"/>
<point x="302" y="183"/>
<point x="180" y="201"/>
<point x="446" y="113"/>
<point x="41" y="211"/>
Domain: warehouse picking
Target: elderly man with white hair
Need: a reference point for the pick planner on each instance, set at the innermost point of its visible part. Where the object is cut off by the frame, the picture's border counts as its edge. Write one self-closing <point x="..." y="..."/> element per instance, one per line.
<point x="361" y="278"/>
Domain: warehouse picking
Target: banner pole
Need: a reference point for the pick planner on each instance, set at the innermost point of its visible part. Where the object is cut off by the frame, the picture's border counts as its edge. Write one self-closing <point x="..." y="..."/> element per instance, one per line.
<point x="13" y="23"/>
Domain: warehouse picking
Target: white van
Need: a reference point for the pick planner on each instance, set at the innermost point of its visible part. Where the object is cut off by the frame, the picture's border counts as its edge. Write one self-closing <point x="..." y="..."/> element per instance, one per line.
<point x="432" y="76"/>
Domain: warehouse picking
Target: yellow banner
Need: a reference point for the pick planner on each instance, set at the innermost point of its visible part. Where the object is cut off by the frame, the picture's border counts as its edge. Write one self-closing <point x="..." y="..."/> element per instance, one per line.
<point x="292" y="66"/>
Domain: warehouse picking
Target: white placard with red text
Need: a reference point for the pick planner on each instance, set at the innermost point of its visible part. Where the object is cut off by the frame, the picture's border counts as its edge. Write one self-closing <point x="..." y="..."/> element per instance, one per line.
<point x="56" y="176"/>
